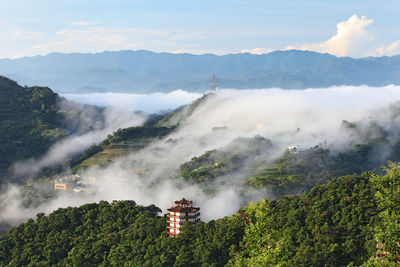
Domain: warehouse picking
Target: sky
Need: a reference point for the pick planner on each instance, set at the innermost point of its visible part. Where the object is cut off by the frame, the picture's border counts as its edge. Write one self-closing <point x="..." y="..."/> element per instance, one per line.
<point x="355" y="28"/>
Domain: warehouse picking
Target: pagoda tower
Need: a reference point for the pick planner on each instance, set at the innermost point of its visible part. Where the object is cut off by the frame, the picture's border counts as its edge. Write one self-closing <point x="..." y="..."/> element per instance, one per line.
<point x="178" y="215"/>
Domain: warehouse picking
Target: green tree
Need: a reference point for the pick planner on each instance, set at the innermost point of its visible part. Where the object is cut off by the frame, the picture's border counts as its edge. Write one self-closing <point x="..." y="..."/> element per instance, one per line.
<point x="388" y="197"/>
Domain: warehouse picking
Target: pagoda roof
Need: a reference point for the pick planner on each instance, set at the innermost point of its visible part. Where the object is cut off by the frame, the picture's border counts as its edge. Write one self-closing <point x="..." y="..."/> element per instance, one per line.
<point x="183" y="201"/>
<point x="183" y="209"/>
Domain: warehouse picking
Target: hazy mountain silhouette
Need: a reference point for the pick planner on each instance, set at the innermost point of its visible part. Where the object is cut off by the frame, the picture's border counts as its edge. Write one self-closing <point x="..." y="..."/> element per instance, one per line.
<point x="144" y="71"/>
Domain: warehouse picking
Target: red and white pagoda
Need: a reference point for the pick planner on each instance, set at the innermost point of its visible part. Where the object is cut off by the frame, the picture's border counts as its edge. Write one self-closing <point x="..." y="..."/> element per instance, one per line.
<point x="178" y="215"/>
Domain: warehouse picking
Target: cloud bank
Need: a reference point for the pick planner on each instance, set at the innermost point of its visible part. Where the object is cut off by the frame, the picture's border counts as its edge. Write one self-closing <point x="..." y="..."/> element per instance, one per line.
<point x="93" y="130"/>
<point x="88" y="37"/>
<point x="297" y="117"/>
<point x="151" y="103"/>
<point x="351" y="39"/>
<point x="350" y="36"/>
<point x="389" y="50"/>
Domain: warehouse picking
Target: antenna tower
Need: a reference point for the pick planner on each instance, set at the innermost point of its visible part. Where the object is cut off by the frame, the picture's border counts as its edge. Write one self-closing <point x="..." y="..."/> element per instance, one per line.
<point x="214" y="84"/>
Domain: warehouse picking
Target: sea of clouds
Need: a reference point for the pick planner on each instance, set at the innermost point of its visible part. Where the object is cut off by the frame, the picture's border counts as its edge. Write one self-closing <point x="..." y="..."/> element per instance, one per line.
<point x="304" y="118"/>
<point x="149" y="103"/>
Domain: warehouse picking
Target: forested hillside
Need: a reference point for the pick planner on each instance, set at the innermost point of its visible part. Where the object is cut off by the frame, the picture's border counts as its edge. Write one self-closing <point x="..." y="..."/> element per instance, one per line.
<point x="335" y="224"/>
<point x="296" y="170"/>
<point x="250" y="159"/>
<point x="129" y="140"/>
<point x="118" y="144"/>
<point x="29" y="122"/>
<point x="34" y="118"/>
<point x="312" y="218"/>
<point x="338" y="224"/>
<point x="115" y="234"/>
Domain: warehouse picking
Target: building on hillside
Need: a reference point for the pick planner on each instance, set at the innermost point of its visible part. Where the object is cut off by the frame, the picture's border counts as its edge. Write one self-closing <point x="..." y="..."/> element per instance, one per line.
<point x="66" y="183"/>
<point x="178" y="215"/>
<point x="71" y="183"/>
<point x="61" y="186"/>
<point x="295" y="149"/>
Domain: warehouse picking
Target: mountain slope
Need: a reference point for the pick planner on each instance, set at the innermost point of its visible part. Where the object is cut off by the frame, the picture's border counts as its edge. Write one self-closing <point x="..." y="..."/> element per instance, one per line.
<point x="145" y="71"/>
<point x="29" y="121"/>
<point x="254" y="163"/>
<point x="34" y="118"/>
<point x="127" y="140"/>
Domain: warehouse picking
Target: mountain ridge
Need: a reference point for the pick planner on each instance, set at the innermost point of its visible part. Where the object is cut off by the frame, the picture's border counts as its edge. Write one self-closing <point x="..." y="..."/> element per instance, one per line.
<point x="144" y="71"/>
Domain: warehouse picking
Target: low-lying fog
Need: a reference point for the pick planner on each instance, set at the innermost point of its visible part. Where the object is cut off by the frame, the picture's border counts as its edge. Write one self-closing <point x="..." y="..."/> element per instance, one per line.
<point x="286" y="117"/>
<point x="151" y="103"/>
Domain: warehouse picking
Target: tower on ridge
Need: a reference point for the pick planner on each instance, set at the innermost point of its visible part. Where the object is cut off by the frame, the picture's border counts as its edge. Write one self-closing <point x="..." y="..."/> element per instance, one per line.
<point x="214" y="84"/>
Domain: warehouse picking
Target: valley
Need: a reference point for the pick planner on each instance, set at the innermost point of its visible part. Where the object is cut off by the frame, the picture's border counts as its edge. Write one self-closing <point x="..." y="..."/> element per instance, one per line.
<point x="241" y="162"/>
<point x="199" y="133"/>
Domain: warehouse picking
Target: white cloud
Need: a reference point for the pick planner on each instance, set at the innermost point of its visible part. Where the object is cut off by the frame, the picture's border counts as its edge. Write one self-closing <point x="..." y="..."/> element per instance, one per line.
<point x="150" y="103"/>
<point x="389" y="50"/>
<point x="350" y="36"/>
<point x="257" y="50"/>
<point x="114" y="118"/>
<point x="317" y="113"/>
<point x="92" y="39"/>
<point x="351" y="39"/>
<point x="81" y="23"/>
<point x="98" y="39"/>
<point x="88" y="37"/>
<point x="14" y="40"/>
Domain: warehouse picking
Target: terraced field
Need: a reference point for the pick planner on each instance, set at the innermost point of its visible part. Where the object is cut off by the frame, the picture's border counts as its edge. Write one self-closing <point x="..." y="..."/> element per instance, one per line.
<point x="114" y="151"/>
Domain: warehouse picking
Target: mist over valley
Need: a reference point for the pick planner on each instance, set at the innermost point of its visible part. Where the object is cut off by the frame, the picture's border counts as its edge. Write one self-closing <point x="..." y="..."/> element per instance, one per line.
<point x="203" y="133"/>
<point x="213" y="150"/>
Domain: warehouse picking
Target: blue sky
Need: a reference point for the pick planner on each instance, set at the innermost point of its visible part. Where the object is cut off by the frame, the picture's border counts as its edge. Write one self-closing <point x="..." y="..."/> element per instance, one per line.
<point x="344" y="28"/>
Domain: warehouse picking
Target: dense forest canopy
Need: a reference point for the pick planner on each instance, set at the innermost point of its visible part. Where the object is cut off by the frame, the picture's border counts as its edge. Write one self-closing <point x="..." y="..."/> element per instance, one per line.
<point x="32" y="119"/>
<point x="334" y="224"/>
<point x="29" y="122"/>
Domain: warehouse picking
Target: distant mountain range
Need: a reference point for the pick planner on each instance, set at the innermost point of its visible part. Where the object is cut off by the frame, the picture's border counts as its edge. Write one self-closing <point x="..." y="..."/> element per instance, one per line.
<point x="146" y="72"/>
